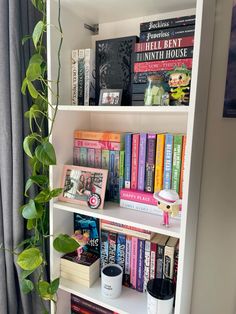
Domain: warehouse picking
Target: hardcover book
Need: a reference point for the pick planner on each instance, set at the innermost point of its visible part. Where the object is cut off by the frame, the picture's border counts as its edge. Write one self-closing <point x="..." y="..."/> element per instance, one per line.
<point x="114" y="65"/>
<point x="150" y="163"/>
<point x="177" y="152"/>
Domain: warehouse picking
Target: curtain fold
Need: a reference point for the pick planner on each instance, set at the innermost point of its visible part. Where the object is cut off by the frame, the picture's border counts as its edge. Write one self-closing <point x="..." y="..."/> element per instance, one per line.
<point x="17" y="18"/>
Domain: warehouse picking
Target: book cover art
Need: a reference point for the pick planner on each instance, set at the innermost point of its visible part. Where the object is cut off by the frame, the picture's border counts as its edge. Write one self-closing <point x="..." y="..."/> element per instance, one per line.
<point x="127" y="260"/>
<point x="128" y="154"/>
<point x="176" y="167"/>
<point x="89" y="77"/>
<point x="90" y="225"/>
<point x="168" y="161"/>
<point x="166" y="23"/>
<point x="159" y="166"/>
<point x="114" y="65"/>
<point x="104" y="256"/>
<point x="150" y="163"/>
<point x="112" y="237"/>
<point x="140" y="265"/>
<point x="142" y="161"/>
<point x="134" y="161"/>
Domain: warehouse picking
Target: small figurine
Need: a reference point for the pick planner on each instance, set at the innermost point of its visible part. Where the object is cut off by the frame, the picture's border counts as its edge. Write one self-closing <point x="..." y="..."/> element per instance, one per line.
<point x="169" y="202"/>
<point x="82" y="239"/>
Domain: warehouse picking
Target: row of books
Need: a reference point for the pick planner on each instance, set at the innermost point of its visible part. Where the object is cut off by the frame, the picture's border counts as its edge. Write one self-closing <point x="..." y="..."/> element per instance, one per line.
<point x="163" y="62"/>
<point x="83" y="77"/>
<point x="82" y="306"/>
<point x="142" y="258"/>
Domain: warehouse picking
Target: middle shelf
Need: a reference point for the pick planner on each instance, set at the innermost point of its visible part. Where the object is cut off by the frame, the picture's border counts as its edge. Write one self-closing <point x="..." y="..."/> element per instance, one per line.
<point x="113" y="212"/>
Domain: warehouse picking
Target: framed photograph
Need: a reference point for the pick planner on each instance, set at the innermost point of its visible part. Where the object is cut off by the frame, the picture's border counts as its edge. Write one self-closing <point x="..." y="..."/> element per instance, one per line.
<point x="110" y="97"/>
<point x="84" y="186"/>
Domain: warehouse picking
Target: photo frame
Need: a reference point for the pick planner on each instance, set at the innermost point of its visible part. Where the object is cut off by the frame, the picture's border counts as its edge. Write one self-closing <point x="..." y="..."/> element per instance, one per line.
<point x="84" y="186"/>
<point x="110" y="97"/>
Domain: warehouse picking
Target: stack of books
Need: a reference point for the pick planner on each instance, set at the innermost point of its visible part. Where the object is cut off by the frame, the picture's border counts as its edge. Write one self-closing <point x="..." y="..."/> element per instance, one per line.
<point x="104" y="150"/>
<point x="143" y="255"/>
<point x="163" y="62"/>
<point x="83" y="77"/>
<point x="82" y="306"/>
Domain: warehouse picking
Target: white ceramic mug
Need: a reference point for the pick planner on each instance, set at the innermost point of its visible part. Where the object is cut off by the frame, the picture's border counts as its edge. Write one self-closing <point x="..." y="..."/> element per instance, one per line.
<point x="112" y="280"/>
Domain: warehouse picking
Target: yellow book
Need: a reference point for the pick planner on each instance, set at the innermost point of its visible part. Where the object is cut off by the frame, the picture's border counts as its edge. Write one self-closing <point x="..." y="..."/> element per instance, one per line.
<point x="159" y="166"/>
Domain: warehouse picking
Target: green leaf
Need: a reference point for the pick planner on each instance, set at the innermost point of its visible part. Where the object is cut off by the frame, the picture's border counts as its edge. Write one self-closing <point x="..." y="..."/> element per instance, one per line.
<point x="36" y="165"/>
<point x="39" y="180"/>
<point x="25" y="38"/>
<point x="39" y="4"/>
<point x="29" y="210"/>
<point x="36" y="58"/>
<point x="33" y="72"/>
<point x="25" y="273"/>
<point x="24" y="85"/>
<point x="32" y="90"/>
<point x="26" y="286"/>
<point x="38" y="30"/>
<point x="23" y="243"/>
<point x="43" y="288"/>
<point x="28" y="143"/>
<point x="56" y="192"/>
<point x="30" y="259"/>
<point x="45" y="153"/>
<point x="44" y="196"/>
<point x="42" y="104"/>
<point x="54" y="286"/>
<point x="65" y="244"/>
<point x="30" y="224"/>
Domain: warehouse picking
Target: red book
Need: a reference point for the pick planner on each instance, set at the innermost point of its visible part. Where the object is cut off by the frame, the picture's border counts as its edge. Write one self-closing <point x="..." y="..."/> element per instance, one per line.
<point x="182" y="167"/>
<point x="80" y="310"/>
<point x="152" y="66"/>
<point x="135" y="158"/>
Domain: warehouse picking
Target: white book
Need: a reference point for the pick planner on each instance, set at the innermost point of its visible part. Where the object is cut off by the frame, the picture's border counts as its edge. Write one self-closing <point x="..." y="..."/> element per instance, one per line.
<point x="146" y="264"/>
<point x="89" y="78"/>
<point x="77" y="77"/>
<point x="74" y="62"/>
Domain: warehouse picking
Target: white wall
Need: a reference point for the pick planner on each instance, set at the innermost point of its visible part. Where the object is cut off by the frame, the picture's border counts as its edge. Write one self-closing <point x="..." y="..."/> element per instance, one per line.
<point x="214" y="289"/>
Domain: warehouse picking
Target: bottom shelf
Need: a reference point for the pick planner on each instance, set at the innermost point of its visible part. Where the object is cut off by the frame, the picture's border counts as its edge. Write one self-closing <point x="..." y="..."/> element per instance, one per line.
<point x="130" y="301"/>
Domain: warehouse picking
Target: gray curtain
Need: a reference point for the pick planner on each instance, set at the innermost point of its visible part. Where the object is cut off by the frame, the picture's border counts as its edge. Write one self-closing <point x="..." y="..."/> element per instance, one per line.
<point x="17" y="17"/>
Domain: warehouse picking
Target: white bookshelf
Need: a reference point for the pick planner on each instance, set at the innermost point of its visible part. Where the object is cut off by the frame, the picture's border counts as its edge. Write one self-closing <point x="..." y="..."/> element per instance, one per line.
<point x="118" y="19"/>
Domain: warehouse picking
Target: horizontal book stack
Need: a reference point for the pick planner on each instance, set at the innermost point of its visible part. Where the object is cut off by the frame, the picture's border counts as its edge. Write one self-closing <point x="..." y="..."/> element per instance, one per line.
<point x="163" y="62"/>
<point x="103" y="150"/>
<point x="82" y="306"/>
<point x="152" y="162"/>
<point x="142" y="254"/>
<point x="83" y="77"/>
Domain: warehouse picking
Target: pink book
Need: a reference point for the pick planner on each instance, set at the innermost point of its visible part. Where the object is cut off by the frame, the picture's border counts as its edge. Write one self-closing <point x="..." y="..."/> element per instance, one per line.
<point x="91" y="156"/>
<point x="138" y="196"/>
<point x="134" y="160"/>
<point x="98" y="144"/>
<point x="134" y="257"/>
<point x="98" y="158"/>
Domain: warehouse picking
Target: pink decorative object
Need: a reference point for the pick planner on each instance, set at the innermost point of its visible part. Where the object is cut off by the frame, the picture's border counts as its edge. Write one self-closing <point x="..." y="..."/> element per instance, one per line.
<point x="169" y="202"/>
<point x="82" y="239"/>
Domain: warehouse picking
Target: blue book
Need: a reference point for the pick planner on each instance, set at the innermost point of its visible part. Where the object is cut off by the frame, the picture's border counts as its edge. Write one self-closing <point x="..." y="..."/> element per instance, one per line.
<point x="140" y="265"/>
<point x="128" y="152"/>
<point x="120" y="250"/>
<point x="168" y="161"/>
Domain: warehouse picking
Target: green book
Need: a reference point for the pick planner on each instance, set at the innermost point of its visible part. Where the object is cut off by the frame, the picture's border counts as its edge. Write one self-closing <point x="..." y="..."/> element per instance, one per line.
<point x="122" y="169"/>
<point x="176" y="165"/>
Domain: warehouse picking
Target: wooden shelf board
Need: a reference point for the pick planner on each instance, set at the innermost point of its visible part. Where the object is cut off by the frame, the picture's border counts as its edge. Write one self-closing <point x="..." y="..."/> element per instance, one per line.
<point x="113" y="212"/>
<point x="130" y="301"/>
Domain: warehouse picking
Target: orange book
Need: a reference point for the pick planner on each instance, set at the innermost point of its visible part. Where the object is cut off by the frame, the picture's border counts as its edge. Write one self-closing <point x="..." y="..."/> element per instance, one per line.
<point x="159" y="166"/>
<point x="99" y="136"/>
<point x="182" y="168"/>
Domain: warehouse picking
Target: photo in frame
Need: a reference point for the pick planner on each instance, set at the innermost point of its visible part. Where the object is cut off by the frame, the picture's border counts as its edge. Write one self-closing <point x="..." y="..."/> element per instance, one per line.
<point x="110" y="97"/>
<point x="84" y="186"/>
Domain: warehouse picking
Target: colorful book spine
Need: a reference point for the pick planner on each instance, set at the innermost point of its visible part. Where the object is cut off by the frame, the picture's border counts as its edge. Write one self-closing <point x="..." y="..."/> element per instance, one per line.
<point x="142" y="161"/>
<point x="168" y="54"/>
<point x="91" y="157"/>
<point x="120" y="250"/>
<point x="89" y="305"/>
<point x="81" y="69"/>
<point x="98" y="144"/>
<point x="134" y="162"/>
<point x="168" y="33"/>
<point x="145" y="208"/>
<point x="112" y="237"/>
<point x="174" y="22"/>
<point x="153" y="256"/>
<point x="146" y="264"/>
<point x="104" y="248"/>
<point x="165" y="65"/>
<point x="76" y="152"/>
<point x="127" y="260"/>
<point x="128" y="154"/>
<point x="150" y="163"/>
<point x="168" y="161"/>
<point x="74" y="96"/>
<point x="79" y="309"/>
<point x="183" y="158"/>
<point x="140" y="265"/>
<point x="105" y="159"/>
<point x="97" y="158"/>
<point x="122" y="170"/>
<point x="89" y="79"/>
<point x="138" y="196"/>
<point x="165" y="44"/>
<point x="99" y="136"/>
<point x="160" y="258"/>
<point x="176" y="168"/>
<point x="168" y="268"/>
<point x="134" y="257"/>
<point x="83" y="156"/>
<point x="115" y="183"/>
<point x="111" y="175"/>
<point x="159" y="166"/>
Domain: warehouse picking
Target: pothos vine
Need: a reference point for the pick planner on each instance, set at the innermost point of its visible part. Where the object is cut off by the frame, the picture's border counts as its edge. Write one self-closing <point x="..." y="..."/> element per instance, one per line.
<point x="41" y="154"/>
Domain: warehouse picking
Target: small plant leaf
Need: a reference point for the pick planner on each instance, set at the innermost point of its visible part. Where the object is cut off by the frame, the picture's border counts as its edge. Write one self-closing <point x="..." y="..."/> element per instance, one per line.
<point x="29" y="210"/>
<point x="30" y="224"/>
<point x="25" y="38"/>
<point x="45" y="153"/>
<point x="43" y="288"/>
<point x="65" y="244"/>
<point x="44" y="196"/>
<point x="24" y="85"/>
<point x="26" y="286"/>
<point x="54" y="286"/>
<point x="38" y="30"/>
<point x="33" y="72"/>
<point x="25" y="273"/>
<point x="30" y="259"/>
<point x="35" y="165"/>
<point x="36" y="58"/>
<point x="39" y="4"/>
<point x="28" y="143"/>
<point x="39" y="180"/>
<point x="56" y="192"/>
<point x="32" y="90"/>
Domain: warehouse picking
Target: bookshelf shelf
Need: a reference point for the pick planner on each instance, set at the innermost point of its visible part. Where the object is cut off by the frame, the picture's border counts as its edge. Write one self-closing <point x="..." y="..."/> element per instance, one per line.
<point x="113" y="212"/>
<point x="130" y="301"/>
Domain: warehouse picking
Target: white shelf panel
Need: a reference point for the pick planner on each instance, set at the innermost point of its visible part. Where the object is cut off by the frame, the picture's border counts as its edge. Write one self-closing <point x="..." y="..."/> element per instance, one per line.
<point x="127" y="109"/>
<point x="113" y="212"/>
<point x="130" y="301"/>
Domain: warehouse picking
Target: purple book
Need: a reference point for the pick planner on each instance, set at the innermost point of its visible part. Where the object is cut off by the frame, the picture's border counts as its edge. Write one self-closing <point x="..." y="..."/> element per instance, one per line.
<point x="142" y="161"/>
<point x="140" y="265"/>
<point x="150" y="163"/>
